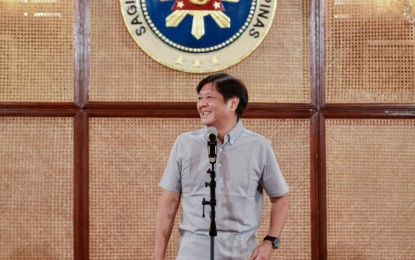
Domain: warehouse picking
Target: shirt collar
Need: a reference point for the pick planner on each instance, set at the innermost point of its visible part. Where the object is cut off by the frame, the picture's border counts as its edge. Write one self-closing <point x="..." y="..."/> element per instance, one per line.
<point x="232" y="136"/>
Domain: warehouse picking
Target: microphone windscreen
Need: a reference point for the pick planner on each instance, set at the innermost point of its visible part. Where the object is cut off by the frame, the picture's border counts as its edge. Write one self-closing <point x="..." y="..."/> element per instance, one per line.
<point x="211" y="130"/>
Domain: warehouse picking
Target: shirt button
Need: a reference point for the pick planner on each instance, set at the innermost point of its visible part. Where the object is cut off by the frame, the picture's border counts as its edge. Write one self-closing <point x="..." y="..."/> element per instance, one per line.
<point x="220" y="149"/>
<point x="220" y="165"/>
<point x="231" y="142"/>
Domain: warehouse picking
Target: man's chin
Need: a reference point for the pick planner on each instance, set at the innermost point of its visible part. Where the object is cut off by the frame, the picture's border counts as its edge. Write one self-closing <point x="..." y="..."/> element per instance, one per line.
<point x="206" y="123"/>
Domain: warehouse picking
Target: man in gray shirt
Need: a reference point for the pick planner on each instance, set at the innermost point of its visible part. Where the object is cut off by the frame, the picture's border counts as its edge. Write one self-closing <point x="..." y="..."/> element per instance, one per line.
<point x="246" y="166"/>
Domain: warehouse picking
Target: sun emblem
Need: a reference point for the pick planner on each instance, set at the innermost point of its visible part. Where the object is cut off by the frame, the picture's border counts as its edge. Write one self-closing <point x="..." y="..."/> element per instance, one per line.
<point x="199" y="9"/>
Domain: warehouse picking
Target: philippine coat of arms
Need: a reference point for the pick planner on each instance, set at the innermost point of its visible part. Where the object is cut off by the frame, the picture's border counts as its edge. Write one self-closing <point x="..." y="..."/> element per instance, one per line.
<point x="198" y="36"/>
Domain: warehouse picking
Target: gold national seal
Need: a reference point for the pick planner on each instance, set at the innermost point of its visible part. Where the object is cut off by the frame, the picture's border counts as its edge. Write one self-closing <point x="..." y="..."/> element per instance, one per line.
<point x="198" y="36"/>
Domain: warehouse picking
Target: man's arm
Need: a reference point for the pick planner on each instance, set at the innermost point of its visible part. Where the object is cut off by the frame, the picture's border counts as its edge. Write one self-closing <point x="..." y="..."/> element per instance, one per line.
<point x="166" y="212"/>
<point x="279" y="213"/>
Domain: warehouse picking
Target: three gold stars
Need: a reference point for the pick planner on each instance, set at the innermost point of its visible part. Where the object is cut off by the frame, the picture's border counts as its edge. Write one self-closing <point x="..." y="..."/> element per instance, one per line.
<point x="180" y="4"/>
<point x="216" y="5"/>
<point x="197" y="63"/>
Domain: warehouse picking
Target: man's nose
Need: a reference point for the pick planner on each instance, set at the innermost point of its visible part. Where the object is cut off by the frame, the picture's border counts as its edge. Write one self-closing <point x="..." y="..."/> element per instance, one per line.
<point x="203" y="102"/>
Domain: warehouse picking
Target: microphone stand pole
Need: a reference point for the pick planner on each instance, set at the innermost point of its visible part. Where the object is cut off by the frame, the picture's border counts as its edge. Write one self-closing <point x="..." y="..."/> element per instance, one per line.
<point x="212" y="230"/>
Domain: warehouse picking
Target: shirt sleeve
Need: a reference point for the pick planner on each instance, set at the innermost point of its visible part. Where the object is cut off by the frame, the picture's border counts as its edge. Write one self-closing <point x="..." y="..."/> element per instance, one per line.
<point x="171" y="179"/>
<point x="272" y="179"/>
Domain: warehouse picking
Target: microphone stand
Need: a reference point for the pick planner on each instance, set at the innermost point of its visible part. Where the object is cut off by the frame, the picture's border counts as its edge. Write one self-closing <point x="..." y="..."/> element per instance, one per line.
<point x="212" y="158"/>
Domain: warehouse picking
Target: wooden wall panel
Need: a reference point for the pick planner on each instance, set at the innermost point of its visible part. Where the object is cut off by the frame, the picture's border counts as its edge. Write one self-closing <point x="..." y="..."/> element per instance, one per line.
<point x="36" y="188"/>
<point x="370" y="52"/>
<point x="370" y="182"/>
<point x="37" y="61"/>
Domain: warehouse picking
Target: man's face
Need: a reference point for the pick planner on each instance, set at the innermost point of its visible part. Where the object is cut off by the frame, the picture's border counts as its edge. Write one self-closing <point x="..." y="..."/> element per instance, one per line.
<point x="211" y="107"/>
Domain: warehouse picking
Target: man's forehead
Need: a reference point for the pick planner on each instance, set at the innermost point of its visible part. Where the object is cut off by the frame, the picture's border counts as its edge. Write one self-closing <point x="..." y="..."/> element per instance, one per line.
<point x="209" y="88"/>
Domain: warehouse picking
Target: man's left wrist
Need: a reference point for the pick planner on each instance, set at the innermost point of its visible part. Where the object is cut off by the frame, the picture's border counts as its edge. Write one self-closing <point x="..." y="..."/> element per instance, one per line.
<point x="268" y="243"/>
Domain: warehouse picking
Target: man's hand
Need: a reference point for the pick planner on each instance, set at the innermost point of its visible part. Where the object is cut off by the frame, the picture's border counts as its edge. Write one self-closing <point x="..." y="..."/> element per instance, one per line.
<point x="263" y="251"/>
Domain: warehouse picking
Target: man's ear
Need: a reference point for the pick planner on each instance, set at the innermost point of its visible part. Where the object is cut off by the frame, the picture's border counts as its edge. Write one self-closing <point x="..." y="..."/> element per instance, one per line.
<point x="234" y="103"/>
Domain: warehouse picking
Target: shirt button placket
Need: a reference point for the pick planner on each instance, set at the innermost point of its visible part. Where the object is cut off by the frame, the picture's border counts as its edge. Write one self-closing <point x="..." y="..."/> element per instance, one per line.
<point x="220" y="150"/>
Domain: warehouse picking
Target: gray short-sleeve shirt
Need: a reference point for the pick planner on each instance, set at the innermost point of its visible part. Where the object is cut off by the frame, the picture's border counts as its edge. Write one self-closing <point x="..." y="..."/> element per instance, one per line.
<point x="245" y="166"/>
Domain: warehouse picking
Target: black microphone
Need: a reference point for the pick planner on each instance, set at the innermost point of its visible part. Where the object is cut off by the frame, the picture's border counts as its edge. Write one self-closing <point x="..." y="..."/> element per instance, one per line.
<point x="211" y="135"/>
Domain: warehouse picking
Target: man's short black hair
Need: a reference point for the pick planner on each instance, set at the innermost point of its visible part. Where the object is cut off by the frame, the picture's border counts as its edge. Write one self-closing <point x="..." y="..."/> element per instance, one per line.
<point x="229" y="87"/>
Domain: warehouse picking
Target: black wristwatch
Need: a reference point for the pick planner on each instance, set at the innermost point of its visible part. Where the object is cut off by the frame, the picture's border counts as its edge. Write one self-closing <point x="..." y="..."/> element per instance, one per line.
<point x="274" y="240"/>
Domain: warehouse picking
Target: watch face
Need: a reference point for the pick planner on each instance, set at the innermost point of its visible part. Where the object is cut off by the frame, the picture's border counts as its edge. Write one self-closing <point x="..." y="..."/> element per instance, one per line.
<point x="276" y="243"/>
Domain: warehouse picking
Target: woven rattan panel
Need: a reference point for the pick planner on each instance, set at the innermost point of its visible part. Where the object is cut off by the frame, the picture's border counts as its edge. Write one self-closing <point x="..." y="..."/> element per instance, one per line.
<point x="370" y="48"/>
<point x="36" y="188"/>
<point x="370" y="189"/>
<point x="278" y="71"/>
<point x="36" y="50"/>
<point x="128" y="157"/>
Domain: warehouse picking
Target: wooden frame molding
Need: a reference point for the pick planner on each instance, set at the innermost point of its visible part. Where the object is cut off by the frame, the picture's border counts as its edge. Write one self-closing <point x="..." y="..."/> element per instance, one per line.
<point x="84" y="189"/>
<point x="314" y="187"/>
<point x="78" y="188"/>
